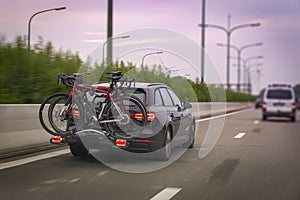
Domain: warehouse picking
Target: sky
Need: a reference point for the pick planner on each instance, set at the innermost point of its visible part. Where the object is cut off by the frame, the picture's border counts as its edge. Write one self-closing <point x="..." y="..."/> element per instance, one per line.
<point x="82" y="27"/>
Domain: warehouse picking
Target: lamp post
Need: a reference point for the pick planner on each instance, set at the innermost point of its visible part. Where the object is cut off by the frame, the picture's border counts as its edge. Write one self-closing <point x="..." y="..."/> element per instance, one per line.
<point x="42" y="11"/>
<point x="245" y="63"/>
<point x="148" y="54"/>
<point x="249" y="76"/>
<point x="203" y="41"/>
<point x="114" y="38"/>
<point x="239" y="52"/>
<point x="186" y="76"/>
<point x="229" y="30"/>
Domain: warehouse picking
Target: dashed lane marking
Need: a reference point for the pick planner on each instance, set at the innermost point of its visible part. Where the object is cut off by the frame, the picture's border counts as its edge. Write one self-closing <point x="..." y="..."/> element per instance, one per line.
<point x="256" y="122"/>
<point x="239" y="135"/>
<point x="166" y="193"/>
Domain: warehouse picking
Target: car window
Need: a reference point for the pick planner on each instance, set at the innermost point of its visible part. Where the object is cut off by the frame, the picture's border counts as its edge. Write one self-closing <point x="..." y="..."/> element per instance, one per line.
<point x="139" y="93"/>
<point x="166" y="97"/>
<point x="174" y="98"/>
<point x="279" y="94"/>
<point x="157" y="98"/>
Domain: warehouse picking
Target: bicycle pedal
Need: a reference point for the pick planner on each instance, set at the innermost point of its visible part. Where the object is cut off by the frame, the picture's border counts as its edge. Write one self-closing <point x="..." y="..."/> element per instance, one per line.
<point x="72" y="129"/>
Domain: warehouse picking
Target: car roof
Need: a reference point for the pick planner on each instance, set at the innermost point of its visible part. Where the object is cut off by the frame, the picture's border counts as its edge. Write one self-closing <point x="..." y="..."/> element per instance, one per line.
<point x="279" y="86"/>
<point x="147" y="85"/>
<point x="142" y="85"/>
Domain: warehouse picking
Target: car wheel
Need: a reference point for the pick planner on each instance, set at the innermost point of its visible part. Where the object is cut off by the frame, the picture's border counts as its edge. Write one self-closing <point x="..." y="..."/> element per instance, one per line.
<point x="192" y="136"/>
<point x="264" y="118"/>
<point x="293" y="118"/>
<point x="78" y="150"/>
<point x="164" y="153"/>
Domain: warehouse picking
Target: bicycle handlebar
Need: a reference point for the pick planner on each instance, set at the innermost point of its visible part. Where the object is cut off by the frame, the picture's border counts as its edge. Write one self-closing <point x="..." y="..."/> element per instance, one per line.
<point x="119" y="77"/>
<point x="70" y="80"/>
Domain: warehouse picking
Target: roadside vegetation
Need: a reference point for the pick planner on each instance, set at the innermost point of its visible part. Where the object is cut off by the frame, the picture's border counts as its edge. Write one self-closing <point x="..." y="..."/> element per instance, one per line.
<point x="28" y="77"/>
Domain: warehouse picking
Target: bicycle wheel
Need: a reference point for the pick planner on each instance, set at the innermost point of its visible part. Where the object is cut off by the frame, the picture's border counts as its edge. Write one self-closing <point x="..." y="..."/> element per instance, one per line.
<point x="62" y="116"/>
<point x="124" y="116"/>
<point x="44" y="109"/>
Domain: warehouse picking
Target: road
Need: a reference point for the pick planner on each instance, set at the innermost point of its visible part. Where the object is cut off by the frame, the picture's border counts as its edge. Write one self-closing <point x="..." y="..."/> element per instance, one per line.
<point x="252" y="159"/>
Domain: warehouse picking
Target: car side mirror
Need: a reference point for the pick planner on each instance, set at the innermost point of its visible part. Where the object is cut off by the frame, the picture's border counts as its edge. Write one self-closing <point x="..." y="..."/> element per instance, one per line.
<point x="186" y="105"/>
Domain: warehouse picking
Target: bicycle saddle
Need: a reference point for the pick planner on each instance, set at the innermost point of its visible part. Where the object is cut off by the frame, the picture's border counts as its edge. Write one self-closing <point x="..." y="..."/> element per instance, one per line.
<point x="115" y="73"/>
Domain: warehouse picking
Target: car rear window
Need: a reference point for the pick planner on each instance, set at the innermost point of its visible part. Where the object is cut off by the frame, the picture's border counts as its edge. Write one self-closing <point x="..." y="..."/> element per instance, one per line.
<point x="279" y="94"/>
<point x="138" y="92"/>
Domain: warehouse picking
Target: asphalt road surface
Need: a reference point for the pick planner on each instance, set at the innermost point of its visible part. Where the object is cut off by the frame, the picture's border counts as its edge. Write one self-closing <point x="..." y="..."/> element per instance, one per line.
<point x="252" y="159"/>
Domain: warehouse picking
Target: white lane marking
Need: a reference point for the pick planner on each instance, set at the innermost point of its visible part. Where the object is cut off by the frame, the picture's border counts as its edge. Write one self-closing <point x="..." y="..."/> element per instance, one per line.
<point x="256" y="122"/>
<point x="102" y="173"/>
<point x="239" y="135"/>
<point x="166" y="193"/>
<point x="220" y="116"/>
<point x="32" y="159"/>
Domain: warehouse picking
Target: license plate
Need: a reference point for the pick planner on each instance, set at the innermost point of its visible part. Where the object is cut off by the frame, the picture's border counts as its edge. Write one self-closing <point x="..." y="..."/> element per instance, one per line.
<point x="278" y="104"/>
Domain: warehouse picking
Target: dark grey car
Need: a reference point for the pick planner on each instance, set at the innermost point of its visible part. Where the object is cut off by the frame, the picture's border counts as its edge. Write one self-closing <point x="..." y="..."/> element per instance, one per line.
<point x="167" y="118"/>
<point x="169" y="124"/>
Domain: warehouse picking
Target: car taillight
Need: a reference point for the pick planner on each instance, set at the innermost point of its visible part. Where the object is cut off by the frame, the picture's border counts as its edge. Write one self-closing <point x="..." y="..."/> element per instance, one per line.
<point x="294" y="105"/>
<point x="150" y="116"/>
<point x="144" y="141"/>
<point x="56" y="140"/>
<point x="264" y="105"/>
<point x="121" y="143"/>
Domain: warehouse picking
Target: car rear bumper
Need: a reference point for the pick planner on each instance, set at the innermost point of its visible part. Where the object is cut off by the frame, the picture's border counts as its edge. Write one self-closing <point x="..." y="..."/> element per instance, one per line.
<point x="94" y="140"/>
<point x="279" y="113"/>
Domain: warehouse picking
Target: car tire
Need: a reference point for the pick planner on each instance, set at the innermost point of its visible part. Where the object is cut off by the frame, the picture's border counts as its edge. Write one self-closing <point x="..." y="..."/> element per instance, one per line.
<point x="192" y="136"/>
<point x="164" y="153"/>
<point x="78" y="150"/>
<point x="293" y="118"/>
<point x="264" y="118"/>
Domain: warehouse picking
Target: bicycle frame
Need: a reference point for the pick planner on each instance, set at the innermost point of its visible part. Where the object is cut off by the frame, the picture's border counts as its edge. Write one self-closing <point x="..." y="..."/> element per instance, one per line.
<point x="106" y="91"/>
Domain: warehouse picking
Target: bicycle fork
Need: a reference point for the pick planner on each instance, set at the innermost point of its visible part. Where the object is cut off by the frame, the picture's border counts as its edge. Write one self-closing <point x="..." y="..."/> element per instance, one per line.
<point x="123" y="118"/>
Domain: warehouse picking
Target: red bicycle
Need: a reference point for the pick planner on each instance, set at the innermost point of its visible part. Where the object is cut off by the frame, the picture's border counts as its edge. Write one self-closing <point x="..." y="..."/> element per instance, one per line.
<point x="105" y="107"/>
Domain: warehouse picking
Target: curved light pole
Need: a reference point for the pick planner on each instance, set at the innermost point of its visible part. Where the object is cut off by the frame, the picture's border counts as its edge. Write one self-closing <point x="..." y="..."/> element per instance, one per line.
<point x="239" y="52"/>
<point x="186" y="76"/>
<point x="114" y="38"/>
<point x="246" y="61"/>
<point x="148" y="54"/>
<point x="229" y="30"/>
<point x="29" y="22"/>
<point x="249" y="76"/>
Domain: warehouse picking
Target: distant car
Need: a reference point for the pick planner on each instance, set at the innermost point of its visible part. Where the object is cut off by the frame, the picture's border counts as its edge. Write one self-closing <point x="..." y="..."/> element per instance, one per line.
<point x="167" y="117"/>
<point x="298" y="103"/>
<point x="258" y="103"/>
<point x="279" y="101"/>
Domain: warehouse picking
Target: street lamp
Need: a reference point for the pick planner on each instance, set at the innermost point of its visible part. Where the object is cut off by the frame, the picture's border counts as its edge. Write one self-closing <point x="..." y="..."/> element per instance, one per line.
<point x="114" y="38"/>
<point x="245" y="62"/>
<point x="249" y="75"/>
<point x="148" y="54"/>
<point x="239" y="52"/>
<point x="186" y="76"/>
<point x="228" y="32"/>
<point x="29" y="22"/>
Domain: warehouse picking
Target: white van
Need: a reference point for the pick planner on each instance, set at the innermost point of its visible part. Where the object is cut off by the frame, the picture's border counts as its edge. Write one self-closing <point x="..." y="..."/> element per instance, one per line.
<point x="279" y="101"/>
